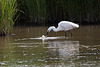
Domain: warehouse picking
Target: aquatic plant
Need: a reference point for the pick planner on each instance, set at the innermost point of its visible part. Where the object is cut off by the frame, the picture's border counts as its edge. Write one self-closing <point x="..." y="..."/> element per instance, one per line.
<point x="7" y="14"/>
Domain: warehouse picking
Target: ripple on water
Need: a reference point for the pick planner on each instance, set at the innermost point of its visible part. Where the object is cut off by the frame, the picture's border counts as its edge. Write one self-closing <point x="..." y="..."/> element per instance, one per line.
<point x="2" y="63"/>
<point x="41" y="38"/>
<point x="47" y="38"/>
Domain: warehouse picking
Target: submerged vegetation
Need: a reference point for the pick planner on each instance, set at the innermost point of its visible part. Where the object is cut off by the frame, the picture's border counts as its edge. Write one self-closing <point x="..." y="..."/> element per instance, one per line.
<point x="7" y="13"/>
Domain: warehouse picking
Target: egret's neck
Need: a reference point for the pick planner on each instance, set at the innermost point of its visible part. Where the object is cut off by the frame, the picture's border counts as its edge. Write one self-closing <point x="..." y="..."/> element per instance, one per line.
<point x="54" y="29"/>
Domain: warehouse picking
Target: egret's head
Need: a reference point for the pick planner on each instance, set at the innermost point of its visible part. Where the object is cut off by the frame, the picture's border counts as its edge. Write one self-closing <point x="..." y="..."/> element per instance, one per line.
<point x="49" y="29"/>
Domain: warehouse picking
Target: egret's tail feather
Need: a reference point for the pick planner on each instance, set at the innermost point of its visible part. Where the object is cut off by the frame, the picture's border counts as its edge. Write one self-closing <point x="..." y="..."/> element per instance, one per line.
<point x="77" y="25"/>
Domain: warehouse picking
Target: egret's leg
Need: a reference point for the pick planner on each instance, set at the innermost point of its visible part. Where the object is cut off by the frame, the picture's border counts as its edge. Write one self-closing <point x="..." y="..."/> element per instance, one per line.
<point x="71" y="33"/>
<point x="65" y="34"/>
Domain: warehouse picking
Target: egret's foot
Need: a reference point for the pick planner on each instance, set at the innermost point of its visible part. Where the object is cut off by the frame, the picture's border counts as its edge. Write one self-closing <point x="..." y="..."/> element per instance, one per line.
<point x="65" y="35"/>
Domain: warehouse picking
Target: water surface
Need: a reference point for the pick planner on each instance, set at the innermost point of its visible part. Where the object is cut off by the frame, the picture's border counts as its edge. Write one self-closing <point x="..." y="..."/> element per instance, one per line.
<point x="26" y="48"/>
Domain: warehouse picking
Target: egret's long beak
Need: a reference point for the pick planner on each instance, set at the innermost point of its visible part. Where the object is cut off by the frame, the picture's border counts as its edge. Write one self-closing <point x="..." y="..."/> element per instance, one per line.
<point x="47" y="33"/>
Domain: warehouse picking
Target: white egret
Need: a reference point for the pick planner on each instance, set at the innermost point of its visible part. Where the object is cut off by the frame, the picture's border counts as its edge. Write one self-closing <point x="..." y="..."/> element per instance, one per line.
<point x="63" y="26"/>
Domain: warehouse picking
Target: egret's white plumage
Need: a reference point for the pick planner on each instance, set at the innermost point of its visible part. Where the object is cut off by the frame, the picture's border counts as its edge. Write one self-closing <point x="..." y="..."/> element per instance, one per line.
<point x="63" y="26"/>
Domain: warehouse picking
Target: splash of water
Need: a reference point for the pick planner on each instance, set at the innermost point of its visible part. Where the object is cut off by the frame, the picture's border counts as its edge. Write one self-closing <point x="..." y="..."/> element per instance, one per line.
<point x="42" y="38"/>
<point x="47" y="38"/>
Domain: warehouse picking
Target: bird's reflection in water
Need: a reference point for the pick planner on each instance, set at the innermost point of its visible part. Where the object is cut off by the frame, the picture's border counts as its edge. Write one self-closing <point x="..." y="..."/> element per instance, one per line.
<point x="62" y="50"/>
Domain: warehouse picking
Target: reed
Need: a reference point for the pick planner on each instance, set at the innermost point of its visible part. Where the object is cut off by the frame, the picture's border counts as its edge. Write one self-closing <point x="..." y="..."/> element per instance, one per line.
<point x="53" y="11"/>
<point x="37" y="9"/>
<point x="7" y="11"/>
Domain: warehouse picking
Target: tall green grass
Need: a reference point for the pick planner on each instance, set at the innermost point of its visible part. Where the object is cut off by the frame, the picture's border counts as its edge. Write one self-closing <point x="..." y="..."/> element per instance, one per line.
<point x="7" y="12"/>
<point x="53" y="11"/>
<point x="37" y="9"/>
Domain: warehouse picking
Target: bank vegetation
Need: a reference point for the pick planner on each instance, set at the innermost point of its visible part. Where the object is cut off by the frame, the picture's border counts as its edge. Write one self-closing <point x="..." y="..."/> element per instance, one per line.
<point x="47" y="12"/>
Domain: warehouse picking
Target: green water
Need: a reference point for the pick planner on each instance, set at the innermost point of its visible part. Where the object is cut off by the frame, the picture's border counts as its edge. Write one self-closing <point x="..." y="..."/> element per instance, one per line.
<point x="25" y="48"/>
